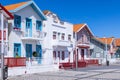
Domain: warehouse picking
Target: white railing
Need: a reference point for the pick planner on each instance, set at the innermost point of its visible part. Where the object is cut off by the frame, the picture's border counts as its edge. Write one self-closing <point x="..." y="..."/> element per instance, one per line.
<point x="34" y="35"/>
<point x="61" y="43"/>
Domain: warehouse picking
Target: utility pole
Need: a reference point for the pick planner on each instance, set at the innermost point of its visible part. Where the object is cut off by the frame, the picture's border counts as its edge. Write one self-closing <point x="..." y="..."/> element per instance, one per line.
<point x="2" y="45"/>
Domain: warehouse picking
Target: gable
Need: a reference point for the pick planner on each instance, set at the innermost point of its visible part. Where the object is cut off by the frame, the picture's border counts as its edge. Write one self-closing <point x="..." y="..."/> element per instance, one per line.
<point x="17" y="7"/>
<point x="32" y="14"/>
<point x="78" y="28"/>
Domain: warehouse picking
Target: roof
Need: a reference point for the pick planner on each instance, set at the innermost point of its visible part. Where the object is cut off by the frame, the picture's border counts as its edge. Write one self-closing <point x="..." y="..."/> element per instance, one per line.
<point x="6" y="12"/>
<point x="117" y="42"/>
<point x="18" y="6"/>
<point x="105" y="40"/>
<point x="46" y="12"/>
<point x="14" y="6"/>
<point x="78" y="27"/>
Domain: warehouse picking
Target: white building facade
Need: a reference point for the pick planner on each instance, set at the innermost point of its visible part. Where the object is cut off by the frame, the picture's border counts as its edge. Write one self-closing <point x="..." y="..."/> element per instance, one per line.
<point x="26" y="35"/>
<point x="58" y="42"/>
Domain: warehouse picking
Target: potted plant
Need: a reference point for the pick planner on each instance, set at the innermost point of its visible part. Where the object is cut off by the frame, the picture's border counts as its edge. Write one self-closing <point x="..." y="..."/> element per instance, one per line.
<point x="35" y="54"/>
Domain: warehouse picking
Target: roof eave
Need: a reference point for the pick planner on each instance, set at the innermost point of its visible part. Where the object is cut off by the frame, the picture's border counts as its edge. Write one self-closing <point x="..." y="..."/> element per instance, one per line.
<point x="33" y="5"/>
<point x="7" y="12"/>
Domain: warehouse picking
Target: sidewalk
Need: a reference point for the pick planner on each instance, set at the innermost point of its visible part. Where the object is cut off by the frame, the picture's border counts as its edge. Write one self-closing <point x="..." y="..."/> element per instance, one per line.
<point x="111" y="74"/>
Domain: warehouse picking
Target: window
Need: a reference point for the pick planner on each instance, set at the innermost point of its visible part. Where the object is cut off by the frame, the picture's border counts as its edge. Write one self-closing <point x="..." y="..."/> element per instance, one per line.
<point x="69" y="56"/>
<point x="63" y="55"/>
<point x="38" y="25"/>
<point x="55" y="20"/>
<point x="58" y="36"/>
<point x="17" y="50"/>
<point x="61" y="22"/>
<point x="54" y="35"/>
<point x="69" y="37"/>
<point x="59" y="54"/>
<point x="63" y="36"/>
<point x="54" y="54"/>
<point x="82" y="38"/>
<point x="17" y="21"/>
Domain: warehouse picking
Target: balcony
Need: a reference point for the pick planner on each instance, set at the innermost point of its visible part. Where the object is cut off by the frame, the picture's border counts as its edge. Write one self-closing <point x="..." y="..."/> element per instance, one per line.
<point x="83" y="44"/>
<point x="62" y="43"/>
<point x="29" y="35"/>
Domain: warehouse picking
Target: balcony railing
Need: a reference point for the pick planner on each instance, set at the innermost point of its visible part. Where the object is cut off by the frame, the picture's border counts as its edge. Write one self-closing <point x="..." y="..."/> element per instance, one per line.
<point x="37" y="35"/>
<point x="62" y="43"/>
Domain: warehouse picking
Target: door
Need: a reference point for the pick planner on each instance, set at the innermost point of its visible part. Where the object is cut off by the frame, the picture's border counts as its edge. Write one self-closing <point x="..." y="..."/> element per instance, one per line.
<point x="82" y="54"/>
<point x="39" y="52"/>
<point x="28" y="50"/>
<point x="17" y="50"/>
<point x="28" y="27"/>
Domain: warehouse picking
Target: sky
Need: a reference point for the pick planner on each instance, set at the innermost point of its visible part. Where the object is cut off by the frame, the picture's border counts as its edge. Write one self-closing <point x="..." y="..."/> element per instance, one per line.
<point x="102" y="16"/>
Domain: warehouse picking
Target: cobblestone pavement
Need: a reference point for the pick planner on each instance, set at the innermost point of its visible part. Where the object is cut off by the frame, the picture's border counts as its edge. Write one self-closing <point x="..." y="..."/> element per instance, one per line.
<point x="92" y="73"/>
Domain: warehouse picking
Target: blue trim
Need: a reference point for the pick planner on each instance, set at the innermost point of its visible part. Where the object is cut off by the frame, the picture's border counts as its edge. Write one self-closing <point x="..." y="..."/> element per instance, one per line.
<point x="34" y="6"/>
<point x="18" y="47"/>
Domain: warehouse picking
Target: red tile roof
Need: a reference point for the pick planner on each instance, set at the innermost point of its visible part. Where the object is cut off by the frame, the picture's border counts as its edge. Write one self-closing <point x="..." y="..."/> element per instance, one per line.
<point x="105" y="40"/>
<point x="46" y="12"/>
<point x="14" y="6"/>
<point x="117" y="42"/>
<point x="77" y="27"/>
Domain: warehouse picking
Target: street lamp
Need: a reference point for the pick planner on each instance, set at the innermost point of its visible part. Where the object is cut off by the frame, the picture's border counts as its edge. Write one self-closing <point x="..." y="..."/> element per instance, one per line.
<point x="76" y="52"/>
<point x="106" y="55"/>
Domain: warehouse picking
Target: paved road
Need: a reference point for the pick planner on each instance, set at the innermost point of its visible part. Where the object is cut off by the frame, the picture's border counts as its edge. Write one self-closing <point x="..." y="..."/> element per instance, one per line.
<point x="111" y="72"/>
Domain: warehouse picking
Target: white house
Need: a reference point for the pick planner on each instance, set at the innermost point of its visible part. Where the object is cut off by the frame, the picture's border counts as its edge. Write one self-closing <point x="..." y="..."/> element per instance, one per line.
<point x="4" y="17"/>
<point x="58" y="43"/>
<point x="26" y="35"/>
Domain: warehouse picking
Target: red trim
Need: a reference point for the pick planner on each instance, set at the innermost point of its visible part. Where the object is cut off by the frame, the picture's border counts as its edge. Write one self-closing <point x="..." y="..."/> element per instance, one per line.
<point x="83" y="46"/>
<point x="10" y="15"/>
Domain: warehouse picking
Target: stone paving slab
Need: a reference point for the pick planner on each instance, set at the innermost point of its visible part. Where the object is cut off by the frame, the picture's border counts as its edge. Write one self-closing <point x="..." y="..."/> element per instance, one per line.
<point x="103" y="73"/>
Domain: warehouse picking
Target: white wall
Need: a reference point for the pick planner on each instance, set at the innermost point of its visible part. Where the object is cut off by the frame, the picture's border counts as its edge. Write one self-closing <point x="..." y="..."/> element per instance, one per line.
<point x="15" y="36"/>
<point x="49" y="28"/>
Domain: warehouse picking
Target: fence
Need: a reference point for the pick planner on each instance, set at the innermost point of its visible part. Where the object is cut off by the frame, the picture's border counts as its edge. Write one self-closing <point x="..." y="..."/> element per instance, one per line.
<point x="81" y="63"/>
<point x="92" y="62"/>
<point x="15" y="62"/>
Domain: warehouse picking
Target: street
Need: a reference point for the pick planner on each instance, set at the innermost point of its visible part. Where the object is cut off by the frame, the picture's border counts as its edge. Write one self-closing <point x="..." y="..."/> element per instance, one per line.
<point x="104" y="72"/>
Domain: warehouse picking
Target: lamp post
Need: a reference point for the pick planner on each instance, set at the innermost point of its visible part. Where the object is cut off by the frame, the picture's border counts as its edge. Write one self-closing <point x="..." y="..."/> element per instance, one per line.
<point x="106" y="55"/>
<point x="76" y="52"/>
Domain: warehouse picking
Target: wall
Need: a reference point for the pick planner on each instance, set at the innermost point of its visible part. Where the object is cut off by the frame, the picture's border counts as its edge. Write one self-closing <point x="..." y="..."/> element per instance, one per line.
<point x="49" y="27"/>
<point x="15" y="36"/>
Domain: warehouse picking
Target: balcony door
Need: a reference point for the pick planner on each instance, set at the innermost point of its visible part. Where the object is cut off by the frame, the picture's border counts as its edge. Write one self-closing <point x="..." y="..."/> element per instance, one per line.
<point x="28" y="27"/>
<point x="28" y="50"/>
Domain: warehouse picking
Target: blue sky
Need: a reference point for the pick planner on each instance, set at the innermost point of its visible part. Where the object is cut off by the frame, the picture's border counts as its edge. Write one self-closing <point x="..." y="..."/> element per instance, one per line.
<point x="102" y="16"/>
